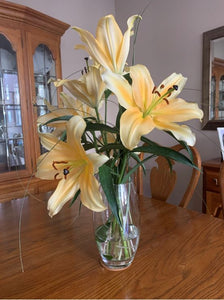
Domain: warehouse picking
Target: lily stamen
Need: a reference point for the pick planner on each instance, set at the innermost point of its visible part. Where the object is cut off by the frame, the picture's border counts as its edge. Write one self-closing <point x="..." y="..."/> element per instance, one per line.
<point x="55" y="176"/>
<point x="167" y="102"/>
<point x="153" y="91"/>
<point x="58" y="162"/>
<point x="161" y="98"/>
<point x="66" y="172"/>
<point x="156" y="92"/>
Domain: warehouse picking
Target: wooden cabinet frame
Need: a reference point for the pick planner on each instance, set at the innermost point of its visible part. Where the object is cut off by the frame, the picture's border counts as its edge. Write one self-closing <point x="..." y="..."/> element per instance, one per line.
<point x="25" y="29"/>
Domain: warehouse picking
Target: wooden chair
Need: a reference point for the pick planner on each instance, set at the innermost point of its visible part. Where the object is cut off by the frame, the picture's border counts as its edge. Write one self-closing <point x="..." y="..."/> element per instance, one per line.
<point x="163" y="180"/>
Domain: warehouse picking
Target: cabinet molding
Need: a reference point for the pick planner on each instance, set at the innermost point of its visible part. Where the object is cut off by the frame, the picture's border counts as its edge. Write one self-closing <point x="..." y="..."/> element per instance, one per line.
<point x="27" y="17"/>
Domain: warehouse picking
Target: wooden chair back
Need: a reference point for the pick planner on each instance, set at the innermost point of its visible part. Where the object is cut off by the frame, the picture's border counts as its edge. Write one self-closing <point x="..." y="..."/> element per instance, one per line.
<point x="163" y="179"/>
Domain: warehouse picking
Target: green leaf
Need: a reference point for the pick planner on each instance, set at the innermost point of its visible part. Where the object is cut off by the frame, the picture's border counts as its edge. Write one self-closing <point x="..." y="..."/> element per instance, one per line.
<point x="112" y="146"/>
<point x="62" y="118"/>
<point x="100" y="127"/>
<point x="88" y="146"/>
<point x="63" y="136"/>
<point x="158" y="150"/>
<point x="107" y="184"/>
<point x="108" y="257"/>
<point x="107" y="93"/>
<point x="101" y="232"/>
<point x="75" y="197"/>
<point x="184" y="144"/>
<point x="128" y="78"/>
<point x="90" y="118"/>
<point x="120" y="112"/>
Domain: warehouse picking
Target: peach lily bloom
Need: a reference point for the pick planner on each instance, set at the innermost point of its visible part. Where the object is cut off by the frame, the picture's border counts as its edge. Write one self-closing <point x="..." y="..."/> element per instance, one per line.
<point x="110" y="48"/>
<point x="89" y="88"/>
<point x="75" y="168"/>
<point x="56" y="112"/>
<point x="149" y="107"/>
<point x="81" y="108"/>
<point x="71" y="107"/>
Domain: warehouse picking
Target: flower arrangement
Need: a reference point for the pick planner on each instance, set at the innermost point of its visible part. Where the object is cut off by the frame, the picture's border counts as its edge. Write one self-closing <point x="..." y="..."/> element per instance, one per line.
<point x="83" y="143"/>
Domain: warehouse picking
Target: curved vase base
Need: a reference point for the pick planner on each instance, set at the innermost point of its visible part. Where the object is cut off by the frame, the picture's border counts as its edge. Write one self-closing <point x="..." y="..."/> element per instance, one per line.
<point x="113" y="268"/>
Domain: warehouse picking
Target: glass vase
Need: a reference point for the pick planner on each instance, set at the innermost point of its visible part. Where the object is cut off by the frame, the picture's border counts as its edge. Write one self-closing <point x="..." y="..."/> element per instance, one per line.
<point x="117" y="241"/>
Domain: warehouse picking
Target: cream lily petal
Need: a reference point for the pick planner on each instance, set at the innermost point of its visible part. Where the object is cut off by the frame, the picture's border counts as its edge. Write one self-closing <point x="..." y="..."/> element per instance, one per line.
<point x="124" y="48"/>
<point x="178" y="110"/>
<point x="95" y="86"/>
<point x="181" y="132"/>
<point x="115" y="45"/>
<point x="58" y="150"/>
<point x="67" y="100"/>
<point x="142" y="86"/>
<point x="79" y="106"/>
<point x="97" y="160"/>
<point x="93" y="48"/>
<point x="76" y="87"/>
<point x="120" y="87"/>
<point x="89" y="88"/>
<point x="133" y="126"/>
<point x="75" y="128"/>
<point x="57" y="112"/>
<point x="90" y="193"/>
<point x="44" y="168"/>
<point x="48" y="140"/>
<point x="169" y="82"/>
<point x="109" y="36"/>
<point x="110" y="48"/>
<point x="64" y="192"/>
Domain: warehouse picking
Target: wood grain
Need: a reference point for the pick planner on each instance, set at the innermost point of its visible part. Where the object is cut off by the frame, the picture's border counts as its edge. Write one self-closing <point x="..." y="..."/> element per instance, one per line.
<point x="180" y="254"/>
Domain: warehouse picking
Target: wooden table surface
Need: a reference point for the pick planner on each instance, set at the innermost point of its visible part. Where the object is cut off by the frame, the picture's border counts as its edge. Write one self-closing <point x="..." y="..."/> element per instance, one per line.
<point x="180" y="255"/>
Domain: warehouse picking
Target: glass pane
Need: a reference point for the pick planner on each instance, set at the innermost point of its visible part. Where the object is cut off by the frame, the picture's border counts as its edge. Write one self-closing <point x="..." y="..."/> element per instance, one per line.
<point x="12" y="155"/>
<point x="213" y="95"/>
<point x="221" y="97"/>
<point x="44" y="71"/>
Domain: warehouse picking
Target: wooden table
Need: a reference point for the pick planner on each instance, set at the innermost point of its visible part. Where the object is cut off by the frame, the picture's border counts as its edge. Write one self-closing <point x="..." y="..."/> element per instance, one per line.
<point x="181" y="255"/>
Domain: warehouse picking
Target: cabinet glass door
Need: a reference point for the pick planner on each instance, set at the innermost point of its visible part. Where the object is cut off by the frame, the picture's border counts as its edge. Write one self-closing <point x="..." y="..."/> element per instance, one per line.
<point x="44" y="72"/>
<point x="11" y="132"/>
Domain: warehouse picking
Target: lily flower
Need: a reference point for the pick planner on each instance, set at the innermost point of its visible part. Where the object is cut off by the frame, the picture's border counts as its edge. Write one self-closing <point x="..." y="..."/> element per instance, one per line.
<point x="89" y="88"/>
<point x="81" y="108"/>
<point x="56" y="112"/>
<point x="149" y="107"/>
<point x="75" y="168"/>
<point x="70" y="107"/>
<point x="110" y="48"/>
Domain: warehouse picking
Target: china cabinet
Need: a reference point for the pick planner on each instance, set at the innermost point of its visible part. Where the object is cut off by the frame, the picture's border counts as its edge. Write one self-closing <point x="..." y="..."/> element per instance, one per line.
<point x="29" y="58"/>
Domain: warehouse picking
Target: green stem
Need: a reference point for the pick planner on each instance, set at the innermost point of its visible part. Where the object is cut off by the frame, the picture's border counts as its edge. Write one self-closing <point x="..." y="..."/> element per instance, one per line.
<point x="105" y="112"/>
<point x="123" y="167"/>
<point x="95" y="141"/>
<point x="103" y="134"/>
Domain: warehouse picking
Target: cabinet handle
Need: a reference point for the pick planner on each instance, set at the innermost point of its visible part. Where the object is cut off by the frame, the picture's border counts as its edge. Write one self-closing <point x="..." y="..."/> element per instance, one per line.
<point x="216" y="181"/>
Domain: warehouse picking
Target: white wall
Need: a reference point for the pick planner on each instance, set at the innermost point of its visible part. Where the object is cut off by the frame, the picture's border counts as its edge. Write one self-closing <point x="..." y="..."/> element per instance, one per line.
<point x="170" y="40"/>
